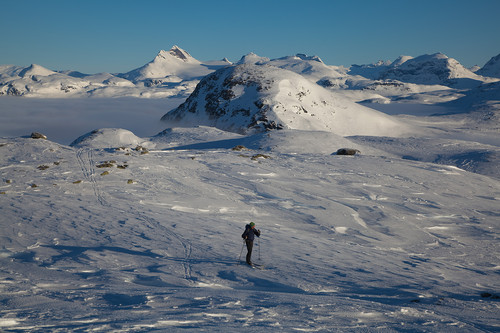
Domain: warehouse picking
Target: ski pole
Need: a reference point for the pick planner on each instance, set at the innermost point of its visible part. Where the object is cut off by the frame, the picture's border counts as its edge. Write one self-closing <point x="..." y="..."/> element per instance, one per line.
<point x="242" y="246"/>
<point x="259" y="246"/>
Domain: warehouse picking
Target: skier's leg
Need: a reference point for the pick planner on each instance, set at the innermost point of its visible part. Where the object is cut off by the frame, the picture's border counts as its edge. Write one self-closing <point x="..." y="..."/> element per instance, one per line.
<point x="249" y="253"/>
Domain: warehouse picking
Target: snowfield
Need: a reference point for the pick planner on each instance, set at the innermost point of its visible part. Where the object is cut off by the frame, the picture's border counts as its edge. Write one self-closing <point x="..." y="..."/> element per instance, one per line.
<point x="130" y="239"/>
<point x="122" y="223"/>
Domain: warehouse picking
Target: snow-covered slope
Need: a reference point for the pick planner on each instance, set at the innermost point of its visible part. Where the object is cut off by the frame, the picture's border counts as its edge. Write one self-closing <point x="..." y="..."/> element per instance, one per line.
<point x="251" y="98"/>
<point x="115" y="240"/>
<point x="491" y="68"/>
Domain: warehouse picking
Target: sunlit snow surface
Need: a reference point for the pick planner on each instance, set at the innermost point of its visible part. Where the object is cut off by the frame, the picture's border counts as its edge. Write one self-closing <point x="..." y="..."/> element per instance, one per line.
<point x="370" y="242"/>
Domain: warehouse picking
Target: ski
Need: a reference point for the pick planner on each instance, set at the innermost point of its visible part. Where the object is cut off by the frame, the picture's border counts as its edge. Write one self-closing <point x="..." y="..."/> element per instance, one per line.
<point x="257" y="266"/>
<point x="253" y="265"/>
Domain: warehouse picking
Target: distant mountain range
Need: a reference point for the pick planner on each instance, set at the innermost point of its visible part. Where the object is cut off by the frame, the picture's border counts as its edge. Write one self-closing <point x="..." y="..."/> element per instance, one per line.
<point x="256" y="93"/>
<point x="426" y="69"/>
<point x="176" y="73"/>
<point x="172" y="73"/>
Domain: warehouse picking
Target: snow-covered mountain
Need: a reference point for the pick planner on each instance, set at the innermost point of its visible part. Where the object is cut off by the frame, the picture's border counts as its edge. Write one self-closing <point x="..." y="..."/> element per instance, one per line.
<point x="491" y="68"/>
<point x="173" y="66"/>
<point x="433" y="69"/>
<point x="426" y="79"/>
<point x="37" y="81"/>
<point x="171" y="73"/>
<point x="252" y="98"/>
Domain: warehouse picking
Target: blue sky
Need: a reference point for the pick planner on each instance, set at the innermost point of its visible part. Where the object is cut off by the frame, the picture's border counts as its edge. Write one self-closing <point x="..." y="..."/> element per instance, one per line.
<point x="118" y="36"/>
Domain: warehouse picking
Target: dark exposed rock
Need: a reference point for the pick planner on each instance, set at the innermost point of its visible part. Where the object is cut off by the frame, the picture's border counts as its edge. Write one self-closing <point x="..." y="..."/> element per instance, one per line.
<point x="36" y="135"/>
<point x="347" y="151"/>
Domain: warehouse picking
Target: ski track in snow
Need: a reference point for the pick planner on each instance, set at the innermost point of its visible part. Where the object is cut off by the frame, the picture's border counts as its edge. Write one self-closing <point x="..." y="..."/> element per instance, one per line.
<point x="87" y="164"/>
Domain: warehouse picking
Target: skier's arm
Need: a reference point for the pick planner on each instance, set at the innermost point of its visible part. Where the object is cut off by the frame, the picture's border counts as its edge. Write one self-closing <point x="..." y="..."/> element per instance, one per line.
<point x="256" y="232"/>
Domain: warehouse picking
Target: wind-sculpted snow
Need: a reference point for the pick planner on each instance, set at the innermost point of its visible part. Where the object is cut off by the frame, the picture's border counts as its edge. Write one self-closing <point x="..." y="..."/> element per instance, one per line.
<point x="348" y="243"/>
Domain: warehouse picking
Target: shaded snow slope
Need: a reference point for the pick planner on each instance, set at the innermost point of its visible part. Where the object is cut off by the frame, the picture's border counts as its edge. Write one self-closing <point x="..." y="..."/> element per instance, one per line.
<point x="182" y="136"/>
<point x="348" y="242"/>
<point x="209" y="138"/>
<point x="252" y="98"/>
<point x="491" y="68"/>
<point x="467" y="155"/>
<point x="284" y="141"/>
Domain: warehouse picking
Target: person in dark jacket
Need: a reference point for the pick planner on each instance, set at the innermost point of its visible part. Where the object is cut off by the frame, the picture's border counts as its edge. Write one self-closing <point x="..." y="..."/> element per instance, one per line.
<point x="249" y="235"/>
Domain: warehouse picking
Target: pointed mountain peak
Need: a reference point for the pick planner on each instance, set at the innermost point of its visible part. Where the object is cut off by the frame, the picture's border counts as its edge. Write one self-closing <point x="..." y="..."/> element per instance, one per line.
<point x="175" y="52"/>
<point x="180" y="53"/>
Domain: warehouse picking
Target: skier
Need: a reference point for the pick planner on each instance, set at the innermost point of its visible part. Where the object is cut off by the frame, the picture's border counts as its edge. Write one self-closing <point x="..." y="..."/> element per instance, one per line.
<point x="249" y="235"/>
